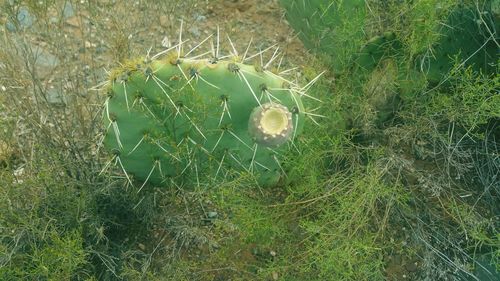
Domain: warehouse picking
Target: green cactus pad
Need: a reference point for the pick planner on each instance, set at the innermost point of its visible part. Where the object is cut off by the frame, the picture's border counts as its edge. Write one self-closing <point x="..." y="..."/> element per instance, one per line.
<point x="184" y="118"/>
<point x="470" y="37"/>
<point x="333" y="28"/>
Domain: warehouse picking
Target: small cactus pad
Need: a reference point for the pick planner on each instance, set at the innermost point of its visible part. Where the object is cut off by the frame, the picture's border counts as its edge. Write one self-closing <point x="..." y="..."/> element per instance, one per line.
<point x="183" y="118"/>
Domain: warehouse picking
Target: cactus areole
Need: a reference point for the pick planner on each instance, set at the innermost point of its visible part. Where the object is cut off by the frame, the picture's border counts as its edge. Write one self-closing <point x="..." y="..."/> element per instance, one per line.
<point x="196" y="119"/>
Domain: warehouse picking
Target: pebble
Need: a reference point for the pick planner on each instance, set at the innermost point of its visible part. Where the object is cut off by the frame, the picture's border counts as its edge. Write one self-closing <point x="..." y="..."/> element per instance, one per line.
<point x="24" y="18"/>
<point x="10" y="26"/>
<point x="45" y="62"/>
<point x="212" y="215"/>
<point x="199" y="17"/>
<point x="411" y="267"/>
<point x="100" y="49"/>
<point x="55" y="97"/>
<point x="68" y="10"/>
<point x="89" y="45"/>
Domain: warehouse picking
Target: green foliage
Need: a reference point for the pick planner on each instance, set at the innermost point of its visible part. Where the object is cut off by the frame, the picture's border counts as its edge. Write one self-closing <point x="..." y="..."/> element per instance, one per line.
<point x="256" y="223"/>
<point x="40" y="240"/>
<point x="471" y="102"/>
<point x="417" y="24"/>
<point x="344" y="220"/>
<point x="60" y="259"/>
<point x="451" y="132"/>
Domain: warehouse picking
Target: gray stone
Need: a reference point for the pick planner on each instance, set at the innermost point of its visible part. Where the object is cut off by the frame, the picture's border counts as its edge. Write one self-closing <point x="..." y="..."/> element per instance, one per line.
<point x="68" y="10"/>
<point x="199" y="17"/>
<point x="24" y="17"/>
<point x="24" y="20"/>
<point x="100" y="49"/>
<point x="45" y="62"/>
<point x="10" y="26"/>
<point x="55" y="97"/>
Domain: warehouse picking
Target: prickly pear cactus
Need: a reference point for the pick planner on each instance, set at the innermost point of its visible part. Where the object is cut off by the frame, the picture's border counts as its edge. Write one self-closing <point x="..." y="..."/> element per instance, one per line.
<point x="190" y="118"/>
<point x="332" y="28"/>
<point x="469" y="35"/>
<point x="375" y="50"/>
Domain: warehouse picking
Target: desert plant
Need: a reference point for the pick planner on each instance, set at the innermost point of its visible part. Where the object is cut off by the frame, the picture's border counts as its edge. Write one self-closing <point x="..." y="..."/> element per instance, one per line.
<point x="183" y="116"/>
<point x="468" y="36"/>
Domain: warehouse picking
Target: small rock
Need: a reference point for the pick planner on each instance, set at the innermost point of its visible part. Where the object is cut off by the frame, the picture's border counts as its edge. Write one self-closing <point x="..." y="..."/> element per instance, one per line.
<point x="18" y="173"/>
<point x="212" y="215"/>
<point x="45" y="62"/>
<point x="89" y="45"/>
<point x="195" y="31"/>
<point x="199" y="17"/>
<point x="100" y="49"/>
<point x="55" y="97"/>
<point x="412" y="266"/>
<point x="10" y="26"/>
<point x="24" y="17"/>
<point x="24" y="20"/>
<point x="68" y="10"/>
<point x="166" y="42"/>
<point x="275" y="275"/>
